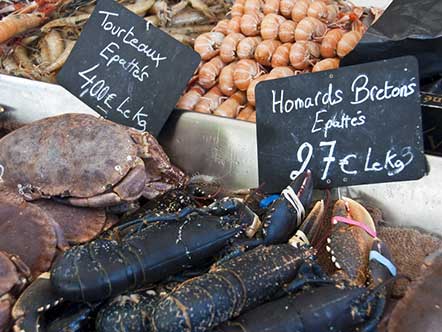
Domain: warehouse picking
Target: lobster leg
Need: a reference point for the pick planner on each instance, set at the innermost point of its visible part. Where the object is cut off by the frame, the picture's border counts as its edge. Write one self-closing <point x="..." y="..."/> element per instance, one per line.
<point x="372" y="323"/>
<point x="308" y="274"/>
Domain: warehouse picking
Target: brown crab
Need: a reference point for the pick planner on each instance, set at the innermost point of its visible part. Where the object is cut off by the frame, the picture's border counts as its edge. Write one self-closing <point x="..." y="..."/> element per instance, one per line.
<point x="85" y="161"/>
<point x="26" y="231"/>
<point x="420" y="308"/>
<point x="78" y="224"/>
<point x="13" y="278"/>
<point x="349" y="245"/>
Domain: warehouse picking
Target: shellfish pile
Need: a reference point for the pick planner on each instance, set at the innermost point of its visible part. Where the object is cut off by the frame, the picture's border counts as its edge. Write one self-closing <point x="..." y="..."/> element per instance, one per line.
<point x="37" y="37"/>
<point x="269" y="39"/>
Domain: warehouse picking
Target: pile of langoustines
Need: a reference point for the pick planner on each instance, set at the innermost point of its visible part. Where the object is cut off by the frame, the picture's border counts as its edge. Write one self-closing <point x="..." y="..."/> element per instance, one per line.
<point x="266" y="40"/>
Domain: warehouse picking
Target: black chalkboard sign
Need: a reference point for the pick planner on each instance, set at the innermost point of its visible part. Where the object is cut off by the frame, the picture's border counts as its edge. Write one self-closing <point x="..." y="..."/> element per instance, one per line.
<point x="126" y="69"/>
<point x="355" y="125"/>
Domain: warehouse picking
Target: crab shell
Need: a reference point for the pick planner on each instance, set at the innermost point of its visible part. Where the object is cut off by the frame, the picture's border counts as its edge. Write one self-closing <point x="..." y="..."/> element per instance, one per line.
<point x="420" y="308"/>
<point x="28" y="232"/>
<point x="86" y="160"/>
<point x="349" y="246"/>
<point x="78" y="224"/>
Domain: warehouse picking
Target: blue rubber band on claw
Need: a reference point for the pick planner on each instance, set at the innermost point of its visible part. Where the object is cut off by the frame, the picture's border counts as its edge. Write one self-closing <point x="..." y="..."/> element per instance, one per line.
<point x="265" y="202"/>
<point x="375" y="255"/>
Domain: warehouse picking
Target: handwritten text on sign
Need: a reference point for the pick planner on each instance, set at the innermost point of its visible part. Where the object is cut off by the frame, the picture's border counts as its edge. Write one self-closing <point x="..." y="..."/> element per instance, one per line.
<point x="357" y="125"/>
<point x="123" y="68"/>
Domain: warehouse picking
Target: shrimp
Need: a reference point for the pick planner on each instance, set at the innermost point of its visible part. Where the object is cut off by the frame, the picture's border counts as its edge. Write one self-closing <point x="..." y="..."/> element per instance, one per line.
<point x="279" y="72"/>
<point x="245" y="113"/>
<point x="231" y="107"/>
<point x="332" y="13"/>
<point x="21" y="57"/>
<point x="59" y="62"/>
<point x="190" y="98"/>
<point x="271" y="7"/>
<point x="347" y="43"/>
<point x="318" y="9"/>
<point x="270" y="26"/>
<point x="264" y="51"/>
<point x="251" y="88"/>
<point x="140" y="7"/>
<point x="245" y="71"/>
<point x="326" y="64"/>
<point x="228" y="47"/>
<point x="330" y="43"/>
<point x="250" y="23"/>
<point x="12" y="25"/>
<point x="234" y="25"/>
<point x="310" y="28"/>
<point x="210" y="101"/>
<point x="65" y="21"/>
<point x="246" y="47"/>
<point x="287" y="31"/>
<point x="237" y="8"/>
<point x="200" y="6"/>
<point x="303" y="53"/>
<point x="161" y="10"/>
<point x="178" y="7"/>
<point x="188" y="16"/>
<point x="300" y="10"/>
<point x="222" y="27"/>
<point x="226" y="83"/>
<point x="281" y="56"/>
<point x="55" y="44"/>
<point x="209" y="72"/>
<point x="207" y="44"/>
<point x="252" y="6"/>
<point x="286" y="7"/>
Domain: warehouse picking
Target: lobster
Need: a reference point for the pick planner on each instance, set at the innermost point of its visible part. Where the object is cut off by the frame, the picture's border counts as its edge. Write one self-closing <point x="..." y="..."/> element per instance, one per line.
<point x="40" y="309"/>
<point x="329" y="305"/>
<point x="160" y="245"/>
<point x="234" y="286"/>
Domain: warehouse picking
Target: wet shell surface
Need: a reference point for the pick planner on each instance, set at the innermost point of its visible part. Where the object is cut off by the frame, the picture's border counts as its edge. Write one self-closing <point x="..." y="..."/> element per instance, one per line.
<point x="78" y="224"/>
<point x="69" y="155"/>
<point x="349" y="246"/>
<point x="28" y="232"/>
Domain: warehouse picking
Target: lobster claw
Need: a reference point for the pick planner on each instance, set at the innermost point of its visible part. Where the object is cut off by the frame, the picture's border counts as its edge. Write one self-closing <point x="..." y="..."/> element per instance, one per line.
<point x="286" y="213"/>
<point x="380" y="264"/>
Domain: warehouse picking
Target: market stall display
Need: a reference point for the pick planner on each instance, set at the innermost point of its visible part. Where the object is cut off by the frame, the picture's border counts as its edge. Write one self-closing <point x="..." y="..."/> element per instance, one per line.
<point x="269" y="40"/>
<point x="107" y="228"/>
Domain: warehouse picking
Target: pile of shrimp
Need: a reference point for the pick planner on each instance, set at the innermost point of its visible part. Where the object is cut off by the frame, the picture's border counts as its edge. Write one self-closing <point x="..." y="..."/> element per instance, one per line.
<point x="36" y="37"/>
<point x="269" y="39"/>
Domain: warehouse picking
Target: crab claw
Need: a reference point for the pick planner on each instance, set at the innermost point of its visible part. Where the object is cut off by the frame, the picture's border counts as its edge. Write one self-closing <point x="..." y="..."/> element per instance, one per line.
<point x="286" y="213"/>
<point x="351" y="240"/>
<point x="380" y="263"/>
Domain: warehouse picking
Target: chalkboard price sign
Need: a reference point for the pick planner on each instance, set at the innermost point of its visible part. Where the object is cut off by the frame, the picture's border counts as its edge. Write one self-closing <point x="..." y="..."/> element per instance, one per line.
<point x="126" y="69"/>
<point x="355" y="125"/>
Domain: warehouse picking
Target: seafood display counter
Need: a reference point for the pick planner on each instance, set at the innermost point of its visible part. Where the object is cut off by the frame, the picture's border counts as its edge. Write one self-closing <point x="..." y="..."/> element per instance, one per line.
<point x="105" y="228"/>
<point x="220" y="154"/>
